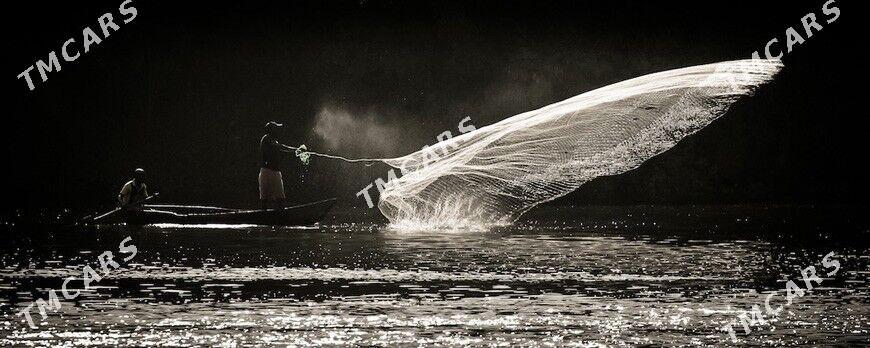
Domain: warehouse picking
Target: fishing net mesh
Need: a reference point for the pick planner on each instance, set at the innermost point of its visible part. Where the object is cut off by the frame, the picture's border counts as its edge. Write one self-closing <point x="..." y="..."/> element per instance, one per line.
<point x="496" y="173"/>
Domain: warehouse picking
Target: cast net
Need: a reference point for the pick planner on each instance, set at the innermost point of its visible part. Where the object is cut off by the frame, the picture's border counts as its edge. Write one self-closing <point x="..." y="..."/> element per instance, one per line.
<point x="496" y="173"/>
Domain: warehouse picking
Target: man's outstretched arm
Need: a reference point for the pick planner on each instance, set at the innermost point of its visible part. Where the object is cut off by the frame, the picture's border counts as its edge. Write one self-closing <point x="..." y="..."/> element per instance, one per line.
<point x="284" y="148"/>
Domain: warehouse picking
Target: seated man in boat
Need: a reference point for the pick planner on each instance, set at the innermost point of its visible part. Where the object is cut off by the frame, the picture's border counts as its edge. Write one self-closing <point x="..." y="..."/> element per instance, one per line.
<point x="134" y="192"/>
<point x="270" y="179"/>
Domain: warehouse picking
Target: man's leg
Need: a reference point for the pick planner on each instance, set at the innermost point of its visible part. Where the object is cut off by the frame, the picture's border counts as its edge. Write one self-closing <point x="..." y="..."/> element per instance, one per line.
<point x="264" y="204"/>
<point x="279" y="199"/>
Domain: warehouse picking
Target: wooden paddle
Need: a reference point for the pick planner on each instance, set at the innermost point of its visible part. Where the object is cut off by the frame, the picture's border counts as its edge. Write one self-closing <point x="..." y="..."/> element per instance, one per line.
<point x="113" y="212"/>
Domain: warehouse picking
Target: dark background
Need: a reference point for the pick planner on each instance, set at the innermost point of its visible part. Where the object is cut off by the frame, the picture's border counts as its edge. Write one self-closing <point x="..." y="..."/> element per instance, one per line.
<point x="185" y="89"/>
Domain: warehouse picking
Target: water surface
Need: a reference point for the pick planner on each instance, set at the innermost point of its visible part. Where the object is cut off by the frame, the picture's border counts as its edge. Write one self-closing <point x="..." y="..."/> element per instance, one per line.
<point x="579" y="277"/>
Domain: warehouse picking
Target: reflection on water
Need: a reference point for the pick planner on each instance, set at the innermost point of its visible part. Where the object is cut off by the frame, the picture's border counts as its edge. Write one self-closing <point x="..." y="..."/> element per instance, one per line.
<point x="589" y="283"/>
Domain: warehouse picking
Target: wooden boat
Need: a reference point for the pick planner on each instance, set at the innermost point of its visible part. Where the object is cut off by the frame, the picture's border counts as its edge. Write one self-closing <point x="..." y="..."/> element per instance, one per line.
<point x="299" y="215"/>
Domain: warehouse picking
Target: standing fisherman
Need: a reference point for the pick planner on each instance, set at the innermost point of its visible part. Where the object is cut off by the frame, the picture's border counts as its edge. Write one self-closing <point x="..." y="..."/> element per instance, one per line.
<point x="271" y="181"/>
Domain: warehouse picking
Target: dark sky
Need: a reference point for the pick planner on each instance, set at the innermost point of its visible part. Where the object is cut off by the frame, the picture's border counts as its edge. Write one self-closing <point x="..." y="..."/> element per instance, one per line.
<point x="185" y="88"/>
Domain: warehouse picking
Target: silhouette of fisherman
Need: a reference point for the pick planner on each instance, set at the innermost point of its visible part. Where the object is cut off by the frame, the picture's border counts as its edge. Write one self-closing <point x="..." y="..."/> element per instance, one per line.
<point x="270" y="179"/>
<point x="134" y="192"/>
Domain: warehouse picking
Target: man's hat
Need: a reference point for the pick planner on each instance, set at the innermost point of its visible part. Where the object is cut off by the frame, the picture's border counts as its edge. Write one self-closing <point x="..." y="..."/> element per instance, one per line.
<point x="272" y="125"/>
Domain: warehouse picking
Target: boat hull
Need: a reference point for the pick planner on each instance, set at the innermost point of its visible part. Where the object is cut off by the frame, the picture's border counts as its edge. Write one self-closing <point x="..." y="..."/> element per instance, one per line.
<point x="299" y="215"/>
